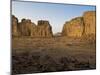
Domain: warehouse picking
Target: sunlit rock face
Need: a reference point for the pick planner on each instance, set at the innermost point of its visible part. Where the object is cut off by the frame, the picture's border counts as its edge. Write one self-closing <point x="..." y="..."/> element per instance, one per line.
<point x="73" y="28"/>
<point x="44" y="29"/>
<point x="28" y="28"/>
<point x="81" y="26"/>
<point x="89" y="18"/>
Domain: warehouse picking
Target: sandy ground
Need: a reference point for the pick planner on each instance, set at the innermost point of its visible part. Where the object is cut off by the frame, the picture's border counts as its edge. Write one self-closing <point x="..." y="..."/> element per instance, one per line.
<point x="40" y="53"/>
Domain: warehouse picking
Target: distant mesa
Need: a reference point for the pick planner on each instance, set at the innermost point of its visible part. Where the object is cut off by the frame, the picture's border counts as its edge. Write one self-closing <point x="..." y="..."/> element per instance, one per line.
<point x="58" y="34"/>
<point x="83" y="26"/>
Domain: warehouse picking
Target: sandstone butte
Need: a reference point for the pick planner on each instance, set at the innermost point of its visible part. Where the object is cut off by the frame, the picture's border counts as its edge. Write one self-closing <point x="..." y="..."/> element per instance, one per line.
<point x="28" y="28"/>
<point x="77" y="27"/>
<point x="81" y="26"/>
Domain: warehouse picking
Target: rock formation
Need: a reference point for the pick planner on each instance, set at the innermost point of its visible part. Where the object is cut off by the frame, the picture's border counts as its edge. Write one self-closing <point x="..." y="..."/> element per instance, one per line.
<point x="28" y="28"/>
<point x="81" y="26"/>
<point x="44" y="29"/>
<point x="14" y="26"/>
<point x="73" y="28"/>
<point x="89" y="18"/>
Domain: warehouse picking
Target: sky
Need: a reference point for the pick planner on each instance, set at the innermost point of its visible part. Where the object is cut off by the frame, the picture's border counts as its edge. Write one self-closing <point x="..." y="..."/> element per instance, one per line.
<point x="56" y="14"/>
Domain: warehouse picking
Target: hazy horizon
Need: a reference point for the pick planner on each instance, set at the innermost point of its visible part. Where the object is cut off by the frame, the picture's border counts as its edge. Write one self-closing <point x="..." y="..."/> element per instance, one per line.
<point x="56" y="14"/>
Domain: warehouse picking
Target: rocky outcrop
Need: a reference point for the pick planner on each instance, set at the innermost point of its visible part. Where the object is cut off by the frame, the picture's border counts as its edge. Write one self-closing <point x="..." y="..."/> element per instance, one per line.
<point x="44" y="29"/>
<point x="73" y="28"/>
<point x="14" y="26"/>
<point x="89" y="18"/>
<point x="28" y="28"/>
<point x="81" y="26"/>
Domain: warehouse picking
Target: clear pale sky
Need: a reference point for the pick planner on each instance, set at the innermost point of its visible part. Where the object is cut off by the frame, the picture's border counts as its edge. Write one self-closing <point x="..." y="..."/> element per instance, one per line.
<point x="56" y="14"/>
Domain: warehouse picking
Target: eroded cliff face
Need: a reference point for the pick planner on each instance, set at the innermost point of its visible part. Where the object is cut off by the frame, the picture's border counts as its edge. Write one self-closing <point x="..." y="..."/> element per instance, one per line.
<point x="89" y="18"/>
<point x="44" y="29"/>
<point x="73" y="28"/>
<point x="81" y="26"/>
<point x="28" y="28"/>
<point x="77" y="27"/>
<point x="14" y="26"/>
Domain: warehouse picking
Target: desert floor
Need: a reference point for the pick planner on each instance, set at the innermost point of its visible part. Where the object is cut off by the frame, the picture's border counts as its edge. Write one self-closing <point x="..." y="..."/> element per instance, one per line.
<point x="35" y="55"/>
